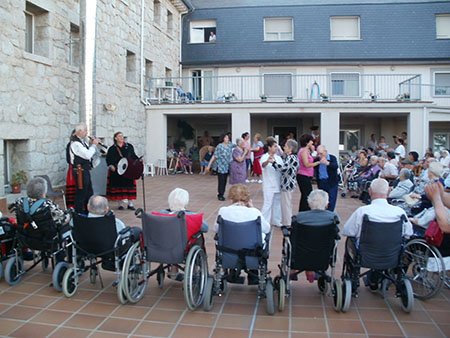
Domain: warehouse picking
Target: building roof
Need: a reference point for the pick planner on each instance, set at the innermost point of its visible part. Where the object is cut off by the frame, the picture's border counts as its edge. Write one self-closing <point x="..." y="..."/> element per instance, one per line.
<point x="400" y="31"/>
<point x="205" y="4"/>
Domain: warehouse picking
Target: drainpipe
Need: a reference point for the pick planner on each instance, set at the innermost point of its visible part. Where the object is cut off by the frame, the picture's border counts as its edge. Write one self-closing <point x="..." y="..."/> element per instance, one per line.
<point x="182" y="15"/>
<point x="142" y="58"/>
<point x="87" y="75"/>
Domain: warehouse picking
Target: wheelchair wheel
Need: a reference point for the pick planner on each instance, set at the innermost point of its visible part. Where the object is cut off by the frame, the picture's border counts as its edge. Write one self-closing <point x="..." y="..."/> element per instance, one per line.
<point x="270" y="306"/>
<point x="70" y="282"/>
<point x="134" y="274"/>
<point x="195" y="277"/>
<point x="1" y="270"/>
<point x="384" y="288"/>
<point x="322" y="285"/>
<point x="406" y="295"/>
<point x="281" y="294"/>
<point x="58" y="275"/>
<point x="14" y="270"/>
<point x="337" y="295"/>
<point x="120" y="294"/>
<point x="424" y="268"/>
<point x="160" y="278"/>
<point x="209" y="294"/>
<point x="346" y="295"/>
<point x="223" y="286"/>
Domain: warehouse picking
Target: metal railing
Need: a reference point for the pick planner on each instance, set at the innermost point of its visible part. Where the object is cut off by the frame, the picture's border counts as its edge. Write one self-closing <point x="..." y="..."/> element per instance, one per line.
<point x="349" y="87"/>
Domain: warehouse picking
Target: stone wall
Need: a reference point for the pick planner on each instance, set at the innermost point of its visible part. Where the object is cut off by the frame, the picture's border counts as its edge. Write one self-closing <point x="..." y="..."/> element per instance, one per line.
<point x="39" y="93"/>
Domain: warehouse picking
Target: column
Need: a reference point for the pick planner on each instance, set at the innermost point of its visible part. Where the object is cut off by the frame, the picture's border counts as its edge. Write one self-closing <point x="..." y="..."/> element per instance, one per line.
<point x="240" y="123"/>
<point x="417" y="131"/>
<point x="156" y="142"/>
<point x="329" y="131"/>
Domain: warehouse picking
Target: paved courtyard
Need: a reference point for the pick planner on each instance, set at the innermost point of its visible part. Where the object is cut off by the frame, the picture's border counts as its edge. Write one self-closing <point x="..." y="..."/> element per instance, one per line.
<point x="34" y="309"/>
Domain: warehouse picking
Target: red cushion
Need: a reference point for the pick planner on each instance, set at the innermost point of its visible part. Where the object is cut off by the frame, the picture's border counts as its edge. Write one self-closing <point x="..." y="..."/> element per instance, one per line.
<point x="193" y="222"/>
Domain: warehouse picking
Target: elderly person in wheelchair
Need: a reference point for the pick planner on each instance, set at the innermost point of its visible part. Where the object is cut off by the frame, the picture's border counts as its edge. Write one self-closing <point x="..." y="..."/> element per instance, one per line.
<point x="375" y="240"/>
<point x="318" y="216"/>
<point x="242" y="210"/>
<point x="178" y="201"/>
<point x="404" y="186"/>
<point x="99" y="238"/>
<point x="241" y="244"/>
<point x="41" y="226"/>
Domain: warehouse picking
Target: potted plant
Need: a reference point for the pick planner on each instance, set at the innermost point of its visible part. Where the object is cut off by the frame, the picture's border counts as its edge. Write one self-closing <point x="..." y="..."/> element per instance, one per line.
<point x="324" y="97"/>
<point x="17" y="180"/>
<point x="263" y="97"/>
<point x="289" y="99"/>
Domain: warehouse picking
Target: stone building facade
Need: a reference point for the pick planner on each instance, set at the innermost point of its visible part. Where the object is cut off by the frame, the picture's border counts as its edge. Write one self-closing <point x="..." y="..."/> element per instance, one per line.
<point x="39" y="68"/>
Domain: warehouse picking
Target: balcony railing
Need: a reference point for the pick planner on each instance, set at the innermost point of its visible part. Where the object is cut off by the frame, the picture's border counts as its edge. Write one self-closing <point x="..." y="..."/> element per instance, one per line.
<point x="336" y="87"/>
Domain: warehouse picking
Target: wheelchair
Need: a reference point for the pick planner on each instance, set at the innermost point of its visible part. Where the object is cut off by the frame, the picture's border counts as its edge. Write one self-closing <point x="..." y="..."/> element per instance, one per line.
<point x="239" y="246"/>
<point x="95" y="242"/>
<point x="165" y="242"/>
<point x="424" y="266"/>
<point x="7" y="233"/>
<point x="381" y="250"/>
<point x="310" y="248"/>
<point x="37" y="231"/>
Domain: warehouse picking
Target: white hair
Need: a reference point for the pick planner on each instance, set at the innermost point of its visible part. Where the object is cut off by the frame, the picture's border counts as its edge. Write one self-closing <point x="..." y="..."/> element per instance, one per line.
<point x="318" y="200"/>
<point x="178" y="199"/>
<point x="373" y="158"/>
<point x="436" y="168"/>
<point x="80" y="127"/>
<point x="98" y="205"/>
<point x="379" y="186"/>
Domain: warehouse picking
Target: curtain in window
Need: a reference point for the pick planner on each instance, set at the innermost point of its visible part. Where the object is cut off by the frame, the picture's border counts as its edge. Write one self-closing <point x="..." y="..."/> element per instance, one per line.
<point x="278" y="85"/>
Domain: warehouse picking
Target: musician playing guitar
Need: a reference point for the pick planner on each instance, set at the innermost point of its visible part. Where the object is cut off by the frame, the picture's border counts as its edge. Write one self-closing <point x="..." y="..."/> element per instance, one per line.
<point x="120" y="188"/>
<point x="81" y="152"/>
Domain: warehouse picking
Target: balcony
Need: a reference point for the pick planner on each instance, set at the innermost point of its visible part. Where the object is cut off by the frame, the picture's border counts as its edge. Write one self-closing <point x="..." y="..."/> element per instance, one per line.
<point x="286" y="88"/>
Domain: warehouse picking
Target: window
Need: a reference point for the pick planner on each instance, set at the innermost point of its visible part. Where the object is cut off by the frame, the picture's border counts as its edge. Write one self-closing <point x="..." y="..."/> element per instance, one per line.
<point x="440" y="141"/>
<point x="36" y="30"/>
<point x="168" y="73"/>
<point x="442" y="83"/>
<point x="157" y="12"/>
<point x="344" y="28"/>
<point x="349" y="138"/>
<point x="148" y="73"/>
<point x="277" y="85"/>
<point x="278" y="29"/>
<point x="169" y="22"/>
<point x="443" y="26"/>
<point x="345" y="84"/>
<point x="131" y="67"/>
<point x="74" y="45"/>
<point x="203" y="31"/>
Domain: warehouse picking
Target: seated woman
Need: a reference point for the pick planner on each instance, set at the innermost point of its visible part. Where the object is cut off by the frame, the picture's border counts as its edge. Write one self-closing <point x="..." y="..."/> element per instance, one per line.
<point x="186" y="163"/>
<point x="37" y="192"/>
<point x="404" y="186"/>
<point x="242" y="210"/>
<point x="317" y="216"/>
<point x="178" y="200"/>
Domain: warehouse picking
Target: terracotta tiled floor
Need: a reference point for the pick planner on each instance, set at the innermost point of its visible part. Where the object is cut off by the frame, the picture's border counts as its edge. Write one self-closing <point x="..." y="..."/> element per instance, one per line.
<point x="34" y="309"/>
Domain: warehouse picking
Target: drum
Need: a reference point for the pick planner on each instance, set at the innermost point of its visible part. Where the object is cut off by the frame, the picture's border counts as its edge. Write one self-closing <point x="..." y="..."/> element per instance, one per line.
<point x="131" y="169"/>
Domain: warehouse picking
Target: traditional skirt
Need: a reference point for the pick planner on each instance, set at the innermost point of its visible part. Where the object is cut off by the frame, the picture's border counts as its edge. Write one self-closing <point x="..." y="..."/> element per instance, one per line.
<point x="120" y="188"/>
<point x="70" y="188"/>
<point x="257" y="169"/>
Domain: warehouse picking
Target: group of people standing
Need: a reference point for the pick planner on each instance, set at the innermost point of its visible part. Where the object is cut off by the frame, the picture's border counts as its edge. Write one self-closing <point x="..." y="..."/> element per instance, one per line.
<point x="80" y="154"/>
<point x="279" y="170"/>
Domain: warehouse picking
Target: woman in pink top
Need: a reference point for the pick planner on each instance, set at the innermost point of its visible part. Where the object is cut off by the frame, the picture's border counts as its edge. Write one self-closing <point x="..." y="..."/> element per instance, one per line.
<point x="305" y="171"/>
